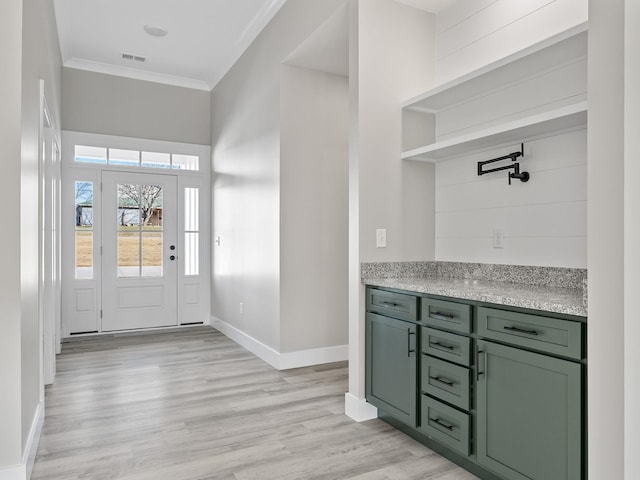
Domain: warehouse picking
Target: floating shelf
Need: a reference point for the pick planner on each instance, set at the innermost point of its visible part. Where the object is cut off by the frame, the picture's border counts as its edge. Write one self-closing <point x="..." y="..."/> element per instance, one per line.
<point x="559" y="49"/>
<point x="548" y="78"/>
<point x="545" y="124"/>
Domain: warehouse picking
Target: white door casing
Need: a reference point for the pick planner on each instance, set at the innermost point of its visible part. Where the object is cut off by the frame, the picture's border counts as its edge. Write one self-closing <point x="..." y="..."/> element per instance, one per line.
<point x="83" y="300"/>
<point x="138" y="291"/>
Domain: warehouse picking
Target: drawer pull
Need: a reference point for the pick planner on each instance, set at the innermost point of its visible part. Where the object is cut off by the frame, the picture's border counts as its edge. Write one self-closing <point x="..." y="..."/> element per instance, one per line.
<point x="442" y="380"/>
<point x="442" y="345"/>
<point x="390" y="304"/>
<point x="521" y="330"/>
<point x="446" y="425"/>
<point x="441" y="316"/>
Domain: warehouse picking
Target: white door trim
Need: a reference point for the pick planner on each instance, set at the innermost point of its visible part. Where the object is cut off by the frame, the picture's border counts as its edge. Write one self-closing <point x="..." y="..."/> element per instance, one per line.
<point x="193" y="290"/>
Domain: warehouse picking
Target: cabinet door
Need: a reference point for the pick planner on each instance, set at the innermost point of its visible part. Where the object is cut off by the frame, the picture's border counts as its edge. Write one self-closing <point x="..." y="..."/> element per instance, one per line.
<point x="391" y="366"/>
<point x="529" y="414"/>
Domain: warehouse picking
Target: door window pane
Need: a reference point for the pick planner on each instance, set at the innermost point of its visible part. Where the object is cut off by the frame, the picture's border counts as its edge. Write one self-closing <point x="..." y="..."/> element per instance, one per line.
<point x="140" y="235"/>
<point x="129" y="158"/>
<point x="185" y="162"/>
<point x="84" y="154"/>
<point x="151" y="253"/>
<point x="128" y="252"/>
<point x="191" y="231"/>
<point x="156" y="160"/>
<point x="191" y="253"/>
<point x="83" y="230"/>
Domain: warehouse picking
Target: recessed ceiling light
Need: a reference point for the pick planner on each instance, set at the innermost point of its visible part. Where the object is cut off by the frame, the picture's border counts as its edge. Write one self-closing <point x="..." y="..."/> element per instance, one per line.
<point x="155" y="30"/>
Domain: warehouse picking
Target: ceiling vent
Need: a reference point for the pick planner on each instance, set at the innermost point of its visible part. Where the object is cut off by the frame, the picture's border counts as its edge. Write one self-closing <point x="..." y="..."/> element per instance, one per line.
<point x="133" y="58"/>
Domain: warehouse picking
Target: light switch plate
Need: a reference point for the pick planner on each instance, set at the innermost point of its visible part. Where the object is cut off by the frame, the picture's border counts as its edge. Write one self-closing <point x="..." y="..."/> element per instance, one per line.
<point x="381" y="238"/>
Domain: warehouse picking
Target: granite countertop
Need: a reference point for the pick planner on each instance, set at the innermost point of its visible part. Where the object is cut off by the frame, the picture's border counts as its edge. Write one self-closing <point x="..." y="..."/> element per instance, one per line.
<point x="546" y="298"/>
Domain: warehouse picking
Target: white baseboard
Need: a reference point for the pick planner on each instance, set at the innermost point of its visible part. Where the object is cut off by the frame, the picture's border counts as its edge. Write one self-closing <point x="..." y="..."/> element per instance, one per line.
<point x="282" y="361"/>
<point x="358" y="408"/>
<point x="314" y="356"/>
<point x="31" y="448"/>
<point x="23" y="471"/>
<point x="256" y="347"/>
<point x="17" y="472"/>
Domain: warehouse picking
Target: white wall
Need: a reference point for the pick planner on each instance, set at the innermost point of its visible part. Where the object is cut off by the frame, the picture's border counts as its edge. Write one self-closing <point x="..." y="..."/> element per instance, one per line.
<point x="246" y="175"/>
<point x="314" y="144"/>
<point x="473" y="33"/>
<point x="10" y="125"/>
<point x="112" y="105"/>
<point x="544" y="220"/>
<point x="606" y="233"/>
<point x="30" y="53"/>
<point x="392" y="59"/>
<point x="632" y="238"/>
<point x="41" y="59"/>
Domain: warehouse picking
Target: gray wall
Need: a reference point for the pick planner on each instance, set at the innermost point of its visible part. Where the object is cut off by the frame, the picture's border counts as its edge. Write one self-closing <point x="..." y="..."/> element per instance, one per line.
<point x="10" y="125"/>
<point x="246" y="177"/>
<point x="41" y="60"/>
<point x="392" y="59"/>
<point x="606" y="260"/>
<point x="112" y="105"/>
<point x="29" y="35"/>
<point x="314" y="217"/>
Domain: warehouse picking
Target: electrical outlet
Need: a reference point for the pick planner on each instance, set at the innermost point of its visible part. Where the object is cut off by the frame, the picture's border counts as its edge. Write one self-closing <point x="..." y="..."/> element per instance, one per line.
<point x="241" y="308"/>
<point x="381" y="238"/>
<point x="498" y="238"/>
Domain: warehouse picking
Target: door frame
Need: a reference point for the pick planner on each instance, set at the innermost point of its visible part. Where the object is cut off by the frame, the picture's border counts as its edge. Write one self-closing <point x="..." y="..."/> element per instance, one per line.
<point x="49" y="280"/>
<point x="189" y="286"/>
<point x="111" y="282"/>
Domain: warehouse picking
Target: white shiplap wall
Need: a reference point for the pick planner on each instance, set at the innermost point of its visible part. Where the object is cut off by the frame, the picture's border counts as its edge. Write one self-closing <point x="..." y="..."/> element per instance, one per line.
<point x="543" y="220"/>
<point x="473" y="33"/>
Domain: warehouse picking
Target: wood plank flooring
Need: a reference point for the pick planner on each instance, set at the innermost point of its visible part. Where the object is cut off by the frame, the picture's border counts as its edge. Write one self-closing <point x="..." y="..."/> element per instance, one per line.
<point x="193" y="405"/>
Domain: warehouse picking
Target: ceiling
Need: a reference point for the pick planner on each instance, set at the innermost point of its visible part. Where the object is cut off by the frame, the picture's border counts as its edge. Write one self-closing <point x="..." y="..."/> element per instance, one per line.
<point x="204" y="37"/>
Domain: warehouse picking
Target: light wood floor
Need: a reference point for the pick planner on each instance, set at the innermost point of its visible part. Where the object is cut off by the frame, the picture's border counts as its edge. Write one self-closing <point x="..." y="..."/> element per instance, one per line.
<point x="194" y="405"/>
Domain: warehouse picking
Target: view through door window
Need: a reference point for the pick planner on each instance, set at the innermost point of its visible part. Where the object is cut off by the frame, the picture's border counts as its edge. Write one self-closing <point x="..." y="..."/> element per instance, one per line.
<point x="140" y="230"/>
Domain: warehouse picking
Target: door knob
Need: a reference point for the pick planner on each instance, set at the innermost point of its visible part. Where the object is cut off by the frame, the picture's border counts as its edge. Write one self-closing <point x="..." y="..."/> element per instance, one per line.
<point x="172" y="247"/>
<point x="172" y="257"/>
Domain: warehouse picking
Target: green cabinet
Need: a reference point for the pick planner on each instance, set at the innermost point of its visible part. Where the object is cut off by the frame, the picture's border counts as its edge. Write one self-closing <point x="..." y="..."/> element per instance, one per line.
<point x="391" y="366"/>
<point x="499" y="389"/>
<point x="528" y="414"/>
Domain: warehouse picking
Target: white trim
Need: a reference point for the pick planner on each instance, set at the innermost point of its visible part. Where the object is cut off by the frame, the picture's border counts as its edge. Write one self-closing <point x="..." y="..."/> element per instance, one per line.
<point x="31" y="448"/>
<point x="281" y="361"/>
<point x="23" y="471"/>
<point x="17" y="472"/>
<point x="256" y="347"/>
<point x="134" y="73"/>
<point x="314" y="356"/>
<point x="358" y="409"/>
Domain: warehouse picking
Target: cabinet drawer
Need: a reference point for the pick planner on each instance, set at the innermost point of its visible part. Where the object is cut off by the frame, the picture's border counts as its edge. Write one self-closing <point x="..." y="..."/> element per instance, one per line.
<point x="445" y="381"/>
<point x="551" y="335"/>
<point x="445" y="424"/>
<point x="448" y="346"/>
<point x="448" y="315"/>
<point x="398" y="305"/>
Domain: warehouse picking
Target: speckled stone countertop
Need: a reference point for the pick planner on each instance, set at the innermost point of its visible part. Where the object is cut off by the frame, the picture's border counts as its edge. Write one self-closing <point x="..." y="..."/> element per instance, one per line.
<point x="549" y="289"/>
<point x="549" y="299"/>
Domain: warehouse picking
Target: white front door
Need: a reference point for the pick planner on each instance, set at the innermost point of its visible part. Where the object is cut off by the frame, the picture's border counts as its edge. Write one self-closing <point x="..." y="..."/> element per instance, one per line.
<point x="139" y="257"/>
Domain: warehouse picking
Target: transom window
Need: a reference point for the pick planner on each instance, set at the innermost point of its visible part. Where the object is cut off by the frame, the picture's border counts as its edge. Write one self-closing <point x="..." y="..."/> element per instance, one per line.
<point x="135" y="158"/>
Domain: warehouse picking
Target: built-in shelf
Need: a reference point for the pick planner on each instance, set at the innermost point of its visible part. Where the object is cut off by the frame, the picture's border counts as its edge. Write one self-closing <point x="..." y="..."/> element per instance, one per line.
<point x="560" y="61"/>
<point x="525" y="129"/>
